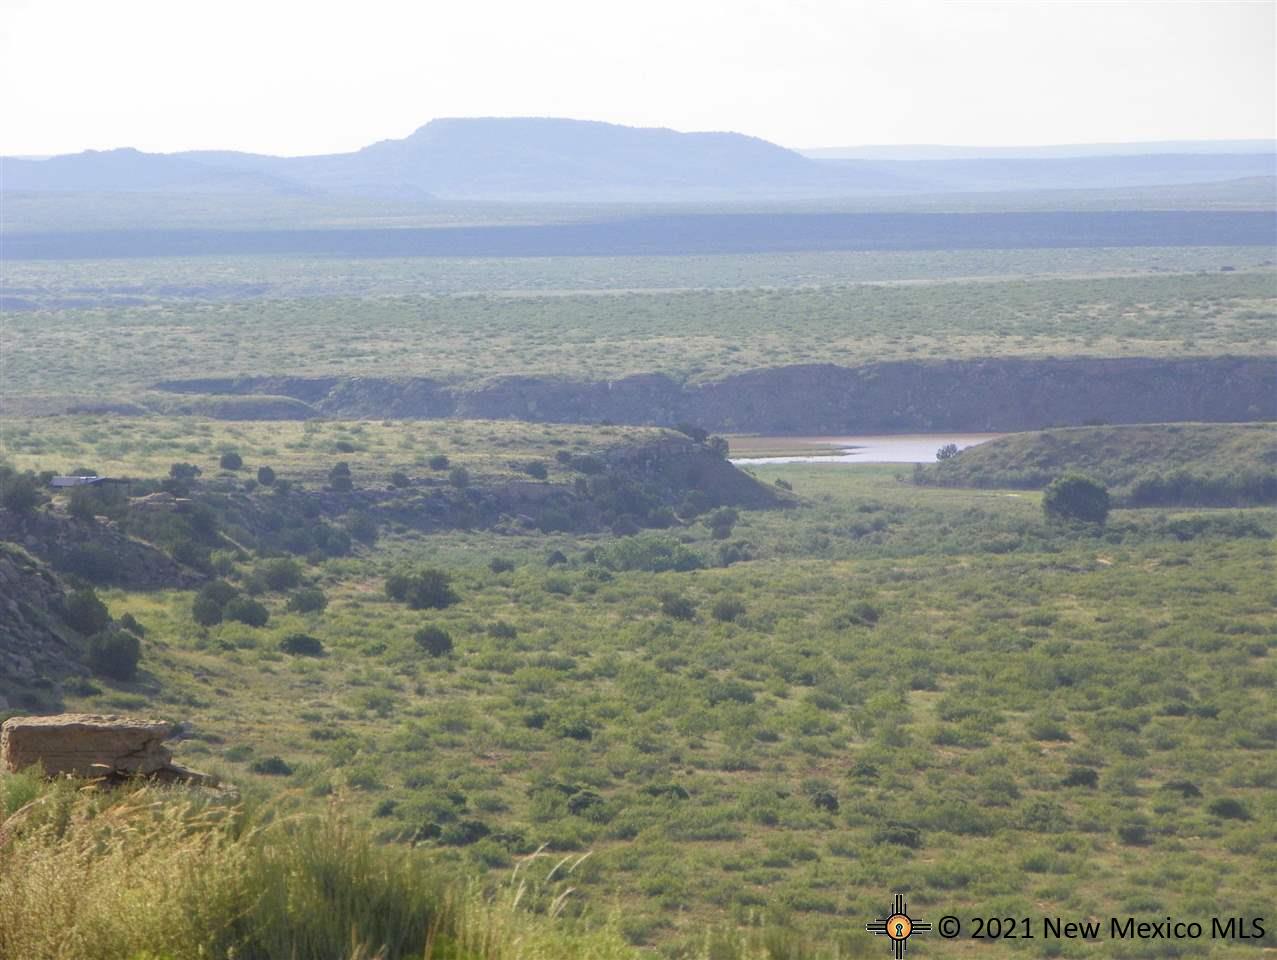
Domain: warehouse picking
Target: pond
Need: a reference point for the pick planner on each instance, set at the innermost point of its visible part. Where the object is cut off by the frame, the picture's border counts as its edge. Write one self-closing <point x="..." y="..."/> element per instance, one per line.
<point x="893" y="448"/>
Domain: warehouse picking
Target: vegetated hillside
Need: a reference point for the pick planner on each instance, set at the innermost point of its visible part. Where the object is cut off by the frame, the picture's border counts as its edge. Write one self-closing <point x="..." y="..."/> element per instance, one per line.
<point x="980" y="395"/>
<point x="512" y="482"/>
<point x="1154" y="465"/>
<point x="795" y="731"/>
<point x="38" y="647"/>
<point x="682" y="235"/>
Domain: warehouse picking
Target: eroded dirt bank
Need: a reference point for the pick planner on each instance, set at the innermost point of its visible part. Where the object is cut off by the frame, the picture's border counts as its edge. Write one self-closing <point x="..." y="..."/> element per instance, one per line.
<point x="992" y="395"/>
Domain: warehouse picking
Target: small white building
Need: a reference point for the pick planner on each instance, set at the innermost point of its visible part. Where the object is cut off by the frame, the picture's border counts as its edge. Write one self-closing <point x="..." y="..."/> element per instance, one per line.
<point x="59" y="482"/>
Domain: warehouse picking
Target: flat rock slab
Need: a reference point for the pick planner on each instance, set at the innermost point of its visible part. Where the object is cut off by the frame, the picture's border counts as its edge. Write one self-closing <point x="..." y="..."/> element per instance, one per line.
<point x="85" y="745"/>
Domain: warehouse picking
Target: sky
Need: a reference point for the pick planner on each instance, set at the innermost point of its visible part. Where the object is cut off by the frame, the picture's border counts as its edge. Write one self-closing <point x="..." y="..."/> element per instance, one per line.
<point x="295" y="77"/>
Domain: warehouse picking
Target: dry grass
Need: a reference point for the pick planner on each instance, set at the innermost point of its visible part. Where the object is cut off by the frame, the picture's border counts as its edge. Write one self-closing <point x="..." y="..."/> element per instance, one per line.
<point x="151" y="873"/>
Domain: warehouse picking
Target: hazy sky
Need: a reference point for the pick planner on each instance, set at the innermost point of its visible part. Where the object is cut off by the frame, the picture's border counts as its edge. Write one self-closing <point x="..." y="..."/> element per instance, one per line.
<point x="312" y="76"/>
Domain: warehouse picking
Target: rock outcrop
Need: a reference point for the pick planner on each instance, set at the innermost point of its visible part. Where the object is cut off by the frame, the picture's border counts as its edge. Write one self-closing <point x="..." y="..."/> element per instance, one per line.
<point x="91" y="745"/>
<point x="85" y="745"/>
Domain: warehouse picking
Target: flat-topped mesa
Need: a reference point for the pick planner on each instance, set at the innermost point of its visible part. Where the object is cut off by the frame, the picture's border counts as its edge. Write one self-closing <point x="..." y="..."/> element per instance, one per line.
<point x="86" y="745"/>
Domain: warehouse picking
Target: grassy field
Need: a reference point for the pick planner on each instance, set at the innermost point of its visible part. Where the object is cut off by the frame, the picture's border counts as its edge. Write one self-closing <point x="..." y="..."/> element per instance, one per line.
<point x="928" y="690"/>
<point x="52" y="284"/>
<point x="117" y="352"/>
<point x="37" y="212"/>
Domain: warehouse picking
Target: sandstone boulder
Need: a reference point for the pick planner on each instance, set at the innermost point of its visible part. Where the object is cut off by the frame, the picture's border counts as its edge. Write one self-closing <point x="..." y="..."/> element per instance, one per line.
<point x="85" y="745"/>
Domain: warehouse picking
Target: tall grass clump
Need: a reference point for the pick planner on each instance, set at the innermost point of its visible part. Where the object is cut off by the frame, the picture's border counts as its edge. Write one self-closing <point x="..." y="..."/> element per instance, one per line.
<point x="168" y="874"/>
<point x="158" y="872"/>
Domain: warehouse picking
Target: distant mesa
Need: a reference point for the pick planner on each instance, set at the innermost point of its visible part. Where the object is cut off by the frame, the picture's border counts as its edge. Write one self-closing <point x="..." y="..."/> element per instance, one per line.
<point x="521" y="159"/>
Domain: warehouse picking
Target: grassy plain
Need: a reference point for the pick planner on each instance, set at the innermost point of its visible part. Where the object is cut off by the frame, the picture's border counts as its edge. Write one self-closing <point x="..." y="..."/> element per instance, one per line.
<point x="117" y="353"/>
<point x="125" y="282"/>
<point x="97" y="211"/>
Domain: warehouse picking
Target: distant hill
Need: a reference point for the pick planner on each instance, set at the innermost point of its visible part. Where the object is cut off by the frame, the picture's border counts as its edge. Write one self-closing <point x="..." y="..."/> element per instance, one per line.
<point x="936" y="151"/>
<point x="522" y="158"/>
<point x="548" y="159"/>
<point x="130" y="171"/>
<point x="1073" y="173"/>
<point x="1204" y="464"/>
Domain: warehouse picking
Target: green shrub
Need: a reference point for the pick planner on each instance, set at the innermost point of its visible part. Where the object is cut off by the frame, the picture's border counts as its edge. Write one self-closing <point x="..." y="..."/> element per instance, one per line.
<point x="1185" y="788"/>
<point x="1076" y="497"/>
<point x="500" y="565"/>
<point x="730" y="690"/>
<point x="19" y="492"/>
<point x="678" y="607"/>
<point x="339" y="478"/>
<point x="280" y="574"/>
<point x="231" y="461"/>
<point x="1081" y="777"/>
<point x="1133" y="831"/>
<point x="129" y="622"/>
<point x="587" y="464"/>
<point x="864" y="613"/>
<point x="397" y="585"/>
<point x="361" y="527"/>
<point x="900" y="834"/>
<point x="655" y="554"/>
<point x="427" y="589"/>
<point x="308" y="600"/>
<point x="219" y="591"/>
<point x="1228" y="809"/>
<point x="439" y="461"/>
<point x="84" y="612"/>
<point x="302" y="645"/>
<point x="721" y="522"/>
<point x="265" y="476"/>
<point x="728" y="610"/>
<point x="576" y="729"/>
<point x="114" y="653"/>
<point x="1042" y="815"/>
<point x="206" y="611"/>
<point x="434" y="640"/>
<point x="246" y="610"/>
<point x="463" y="833"/>
<point x="459" y="477"/>
<point x="271" y="767"/>
<point x="1048" y="728"/>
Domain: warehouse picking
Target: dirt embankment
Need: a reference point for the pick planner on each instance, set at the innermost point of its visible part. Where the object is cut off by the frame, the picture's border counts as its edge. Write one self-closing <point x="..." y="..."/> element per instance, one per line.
<point x="998" y="395"/>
